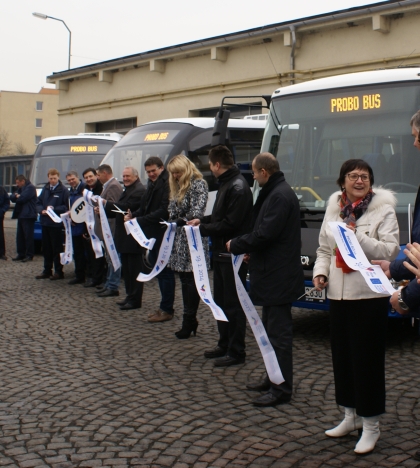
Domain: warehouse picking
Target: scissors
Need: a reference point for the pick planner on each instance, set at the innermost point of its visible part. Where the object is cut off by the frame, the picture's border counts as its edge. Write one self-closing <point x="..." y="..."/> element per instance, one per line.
<point x="118" y="210"/>
<point x="311" y="290"/>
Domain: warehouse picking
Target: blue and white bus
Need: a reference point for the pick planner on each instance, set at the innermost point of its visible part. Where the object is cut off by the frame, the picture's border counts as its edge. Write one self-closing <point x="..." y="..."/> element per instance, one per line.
<point x="313" y="127"/>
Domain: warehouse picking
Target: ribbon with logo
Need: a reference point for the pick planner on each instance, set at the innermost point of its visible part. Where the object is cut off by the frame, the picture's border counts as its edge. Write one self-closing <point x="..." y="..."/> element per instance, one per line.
<point x="66" y="257"/>
<point x="109" y="240"/>
<point x="201" y="277"/>
<point x="267" y="351"/>
<point x="164" y="253"/>
<point x="132" y="227"/>
<point x="90" y="224"/>
<point x="51" y="213"/>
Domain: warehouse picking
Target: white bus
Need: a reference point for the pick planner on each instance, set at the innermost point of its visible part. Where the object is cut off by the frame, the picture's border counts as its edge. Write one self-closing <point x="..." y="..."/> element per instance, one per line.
<point x="315" y="126"/>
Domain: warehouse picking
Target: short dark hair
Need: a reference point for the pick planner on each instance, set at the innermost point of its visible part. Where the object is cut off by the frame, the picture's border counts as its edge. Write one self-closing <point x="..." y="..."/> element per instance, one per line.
<point x="351" y="165"/>
<point x="266" y="161"/>
<point x="72" y="173"/>
<point x="21" y="177"/>
<point x="222" y="155"/>
<point x="104" y="168"/>
<point x="89" y="169"/>
<point x="153" y="160"/>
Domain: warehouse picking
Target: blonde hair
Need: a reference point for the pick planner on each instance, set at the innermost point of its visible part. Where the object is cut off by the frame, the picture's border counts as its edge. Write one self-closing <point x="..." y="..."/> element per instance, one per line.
<point x="188" y="171"/>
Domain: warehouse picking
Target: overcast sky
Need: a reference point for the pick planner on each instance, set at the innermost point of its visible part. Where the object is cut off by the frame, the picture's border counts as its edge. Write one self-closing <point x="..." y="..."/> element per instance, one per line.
<point x="32" y="48"/>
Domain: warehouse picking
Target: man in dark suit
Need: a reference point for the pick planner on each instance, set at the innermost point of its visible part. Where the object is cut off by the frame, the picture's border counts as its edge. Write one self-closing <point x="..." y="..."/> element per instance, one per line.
<point x="275" y="269"/>
<point x="4" y="206"/>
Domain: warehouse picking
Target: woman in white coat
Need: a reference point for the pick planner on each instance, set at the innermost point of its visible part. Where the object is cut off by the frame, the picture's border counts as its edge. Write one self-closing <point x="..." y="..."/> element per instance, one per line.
<point x="358" y="316"/>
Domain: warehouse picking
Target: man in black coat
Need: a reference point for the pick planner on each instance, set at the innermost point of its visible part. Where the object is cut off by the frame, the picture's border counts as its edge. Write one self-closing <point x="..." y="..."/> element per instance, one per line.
<point x="230" y="218"/>
<point x="126" y="245"/>
<point x="25" y="212"/>
<point x="154" y="209"/>
<point x="4" y="206"/>
<point x="276" y="275"/>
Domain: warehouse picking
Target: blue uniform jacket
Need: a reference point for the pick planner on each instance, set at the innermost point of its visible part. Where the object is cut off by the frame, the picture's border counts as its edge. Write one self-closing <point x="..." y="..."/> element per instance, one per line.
<point x="58" y="199"/>
<point x="77" y="229"/>
<point x="25" y="204"/>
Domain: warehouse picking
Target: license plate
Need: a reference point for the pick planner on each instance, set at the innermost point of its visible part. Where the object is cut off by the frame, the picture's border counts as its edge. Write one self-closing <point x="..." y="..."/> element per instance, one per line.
<point x="314" y="296"/>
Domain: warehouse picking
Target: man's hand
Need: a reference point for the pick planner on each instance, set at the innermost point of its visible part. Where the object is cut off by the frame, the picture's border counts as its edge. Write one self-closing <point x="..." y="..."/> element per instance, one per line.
<point x="394" y="303"/>
<point x="128" y="216"/>
<point x="320" y="282"/>
<point x="193" y="222"/>
<point x="384" y="264"/>
<point x="413" y="253"/>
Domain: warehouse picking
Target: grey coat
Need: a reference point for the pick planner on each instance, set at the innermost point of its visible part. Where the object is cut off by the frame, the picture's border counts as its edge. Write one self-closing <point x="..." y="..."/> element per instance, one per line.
<point x="111" y="193"/>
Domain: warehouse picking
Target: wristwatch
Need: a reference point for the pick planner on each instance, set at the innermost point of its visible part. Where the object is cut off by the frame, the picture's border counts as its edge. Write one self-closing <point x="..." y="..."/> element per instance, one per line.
<point x="401" y="302"/>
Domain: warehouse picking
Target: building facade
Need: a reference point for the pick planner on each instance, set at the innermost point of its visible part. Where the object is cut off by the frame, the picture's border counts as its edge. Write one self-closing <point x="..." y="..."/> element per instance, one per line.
<point x="190" y="79"/>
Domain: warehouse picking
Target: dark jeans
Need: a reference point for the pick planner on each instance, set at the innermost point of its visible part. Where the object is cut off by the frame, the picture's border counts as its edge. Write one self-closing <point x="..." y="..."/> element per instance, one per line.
<point x="277" y="321"/>
<point x="25" y="238"/>
<point x="52" y="246"/>
<point x="358" y="336"/>
<point x="166" y="280"/>
<point x="232" y="333"/>
<point x="131" y="267"/>
<point x="79" y="257"/>
<point x="2" y="241"/>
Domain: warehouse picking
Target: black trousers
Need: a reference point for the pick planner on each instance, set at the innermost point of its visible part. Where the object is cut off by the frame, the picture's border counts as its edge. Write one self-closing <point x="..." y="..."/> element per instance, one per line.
<point x="25" y="237"/>
<point x="95" y="266"/>
<point x="2" y="240"/>
<point x="79" y="257"/>
<point x="131" y="267"/>
<point x="232" y="333"/>
<point x="358" y="337"/>
<point x="190" y="296"/>
<point x="277" y="321"/>
<point x="52" y="246"/>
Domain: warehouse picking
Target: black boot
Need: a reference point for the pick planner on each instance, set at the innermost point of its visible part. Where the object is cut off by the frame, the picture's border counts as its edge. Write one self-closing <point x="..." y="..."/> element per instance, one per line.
<point x="189" y="325"/>
<point x="191" y="300"/>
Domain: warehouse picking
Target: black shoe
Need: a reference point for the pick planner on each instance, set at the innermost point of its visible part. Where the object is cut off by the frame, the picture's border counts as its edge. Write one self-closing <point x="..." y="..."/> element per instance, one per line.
<point x="100" y="286"/>
<point x="90" y="285"/>
<point x="214" y="353"/>
<point x="261" y="386"/>
<point x="18" y="259"/>
<point x="123" y="302"/>
<point x="27" y="259"/>
<point x="57" y="276"/>
<point x="186" y="330"/>
<point x="109" y="293"/>
<point x="76" y="281"/>
<point x="43" y="276"/>
<point x="100" y="291"/>
<point x="268" y="399"/>
<point x="226" y="361"/>
<point x="129" y="306"/>
<point x="3" y="257"/>
<point x="416" y="456"/>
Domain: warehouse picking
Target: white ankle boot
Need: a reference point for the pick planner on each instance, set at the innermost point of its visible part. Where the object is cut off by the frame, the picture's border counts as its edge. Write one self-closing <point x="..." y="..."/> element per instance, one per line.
<point x="370" y="435"/>
<point x="350" y="423"/>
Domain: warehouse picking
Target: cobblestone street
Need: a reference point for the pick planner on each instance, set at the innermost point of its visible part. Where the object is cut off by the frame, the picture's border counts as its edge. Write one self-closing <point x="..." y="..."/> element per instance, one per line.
<point x="84" y="384"/>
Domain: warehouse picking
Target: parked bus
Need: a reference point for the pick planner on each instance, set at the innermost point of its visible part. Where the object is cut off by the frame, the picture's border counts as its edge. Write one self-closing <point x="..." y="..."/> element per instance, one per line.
<point x="315" y="126"/>
<point x="191" y="137"/>
<point x="68" y="153"/>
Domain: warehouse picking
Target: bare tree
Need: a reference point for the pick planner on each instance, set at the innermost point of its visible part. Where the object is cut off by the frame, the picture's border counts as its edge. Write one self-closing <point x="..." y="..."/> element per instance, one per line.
<point x="20" y="149"/>
<point x="5" y="143"/>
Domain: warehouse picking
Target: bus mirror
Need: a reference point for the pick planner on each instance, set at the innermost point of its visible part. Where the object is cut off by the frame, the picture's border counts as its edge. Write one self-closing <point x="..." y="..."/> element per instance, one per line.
<point x="267" y="99"/>
<point x="220" y="127"/>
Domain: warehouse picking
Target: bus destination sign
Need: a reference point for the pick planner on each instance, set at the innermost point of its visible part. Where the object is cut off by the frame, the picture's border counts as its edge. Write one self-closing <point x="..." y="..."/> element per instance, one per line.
<point x="355" y="103"/>
<point x="159" y="136"/>
<point x="84" y="149"/>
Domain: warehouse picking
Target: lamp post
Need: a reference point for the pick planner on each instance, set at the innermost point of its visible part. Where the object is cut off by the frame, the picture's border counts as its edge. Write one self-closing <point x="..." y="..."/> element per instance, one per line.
<point x="44" y="17"/>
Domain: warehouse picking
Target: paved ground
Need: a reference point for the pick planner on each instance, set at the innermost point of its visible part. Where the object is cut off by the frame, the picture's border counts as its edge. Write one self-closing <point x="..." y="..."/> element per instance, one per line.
<point x="83" y="384"/>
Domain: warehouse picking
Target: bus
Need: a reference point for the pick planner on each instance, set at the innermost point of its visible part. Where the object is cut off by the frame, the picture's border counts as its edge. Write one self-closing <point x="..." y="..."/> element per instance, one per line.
<point x="313" y="127"/>
<point x="191" y="137"/>
<point x="68" y="153"/>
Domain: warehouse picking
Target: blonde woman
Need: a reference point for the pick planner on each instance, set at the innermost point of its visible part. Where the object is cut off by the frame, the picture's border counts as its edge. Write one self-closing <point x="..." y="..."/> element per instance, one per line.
<point x="187" y="200"/>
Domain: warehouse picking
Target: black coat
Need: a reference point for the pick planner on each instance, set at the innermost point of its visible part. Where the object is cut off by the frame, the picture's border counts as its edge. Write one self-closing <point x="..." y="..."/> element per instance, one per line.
<point x="276" y="274"/>
<point x="25" y="204"/>
<point x="231" y="212"/>
<point x="131" y="199"/>
<point x="4" y="202"/>
<point x="154" y="208"/>
<point x="58" y="199"/>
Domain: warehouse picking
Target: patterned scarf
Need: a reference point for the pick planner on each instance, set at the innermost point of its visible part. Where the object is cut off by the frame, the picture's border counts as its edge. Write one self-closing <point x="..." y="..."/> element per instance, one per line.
<point x="350" y="213"/>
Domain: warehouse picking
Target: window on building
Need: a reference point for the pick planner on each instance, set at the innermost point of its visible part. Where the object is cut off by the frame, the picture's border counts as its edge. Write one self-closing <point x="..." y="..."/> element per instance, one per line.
<point x="39" y="105"/>
<point x="120" y="126"/>
<point x="38" y="138"/>
<point x="38" y="123"/>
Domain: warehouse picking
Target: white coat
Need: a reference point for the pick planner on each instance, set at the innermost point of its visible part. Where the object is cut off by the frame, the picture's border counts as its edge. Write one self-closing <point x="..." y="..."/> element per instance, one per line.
<point x="378" y="235"/>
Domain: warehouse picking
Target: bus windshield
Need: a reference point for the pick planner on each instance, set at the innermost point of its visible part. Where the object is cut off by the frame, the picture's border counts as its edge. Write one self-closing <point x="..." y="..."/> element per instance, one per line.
<point x="67" y="155"/>
<point x="312" y="134"/>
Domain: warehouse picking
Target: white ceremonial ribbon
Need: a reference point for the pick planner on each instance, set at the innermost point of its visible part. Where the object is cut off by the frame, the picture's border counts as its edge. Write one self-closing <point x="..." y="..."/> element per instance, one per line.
<point x="66" y="257"/>
<point x="267" y="351"/>
<point x="132" y="227"/>
<point x="109" y="240"/>
<point x="90" y="224"/>
<point x="53" y="216"/>
<point x="164" y="253"/>
<point x="201" y="277"/>
<point x="355" y="258"/>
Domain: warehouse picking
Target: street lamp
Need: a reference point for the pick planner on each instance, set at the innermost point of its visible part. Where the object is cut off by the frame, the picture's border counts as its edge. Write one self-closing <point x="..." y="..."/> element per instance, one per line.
<point x="44" y="17"/>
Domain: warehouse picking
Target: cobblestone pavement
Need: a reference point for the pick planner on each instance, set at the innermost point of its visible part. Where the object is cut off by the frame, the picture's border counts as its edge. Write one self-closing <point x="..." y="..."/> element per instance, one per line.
<point x="86" y="385"/>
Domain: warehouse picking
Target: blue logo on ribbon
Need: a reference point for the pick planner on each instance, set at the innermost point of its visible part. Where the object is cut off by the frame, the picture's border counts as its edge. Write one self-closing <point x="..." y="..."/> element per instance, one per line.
<point x="346" y="242"/>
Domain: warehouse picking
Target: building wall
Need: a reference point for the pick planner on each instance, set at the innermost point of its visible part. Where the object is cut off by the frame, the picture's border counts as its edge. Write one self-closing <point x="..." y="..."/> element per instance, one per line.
<point x="18" y="116"/>
<point x="198" y="77"/>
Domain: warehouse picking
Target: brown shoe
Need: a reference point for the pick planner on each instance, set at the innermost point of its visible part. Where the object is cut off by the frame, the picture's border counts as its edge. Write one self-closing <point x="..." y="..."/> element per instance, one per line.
<point x="43" y="276"/>
<point x="160" y="316"/>
<point x="57" y="276"/>
<point x="152" y="314"/>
